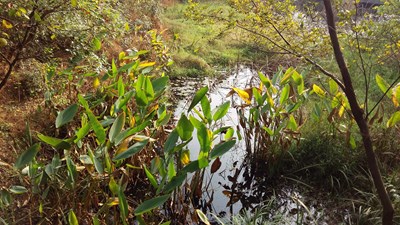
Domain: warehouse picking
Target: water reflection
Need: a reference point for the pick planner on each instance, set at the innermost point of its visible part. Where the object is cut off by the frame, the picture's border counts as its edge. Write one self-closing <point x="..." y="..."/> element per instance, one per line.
<point x="241" y="183"/>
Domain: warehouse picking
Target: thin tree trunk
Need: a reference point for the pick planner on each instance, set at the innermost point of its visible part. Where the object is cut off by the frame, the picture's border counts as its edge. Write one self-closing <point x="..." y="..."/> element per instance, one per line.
<point x="8" y="73"/>
<point x="358" y="114"/>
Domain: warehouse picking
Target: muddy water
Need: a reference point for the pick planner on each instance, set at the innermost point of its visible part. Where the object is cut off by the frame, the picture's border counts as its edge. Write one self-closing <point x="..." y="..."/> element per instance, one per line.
<point x="235" y="186"/>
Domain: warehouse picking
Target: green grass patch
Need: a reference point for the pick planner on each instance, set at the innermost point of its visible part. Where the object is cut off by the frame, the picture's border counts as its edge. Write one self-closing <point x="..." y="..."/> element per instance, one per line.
<point x="199" y="48"/>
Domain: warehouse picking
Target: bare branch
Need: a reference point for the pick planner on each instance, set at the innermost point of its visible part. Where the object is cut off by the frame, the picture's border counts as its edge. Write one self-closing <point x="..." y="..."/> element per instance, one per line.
<point x="305" y="58"/>
<point x="5" y="58"/>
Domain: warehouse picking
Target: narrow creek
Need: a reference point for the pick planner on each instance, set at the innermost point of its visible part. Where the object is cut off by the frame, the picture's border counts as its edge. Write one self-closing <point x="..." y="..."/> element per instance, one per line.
<point x="234" y="187"/>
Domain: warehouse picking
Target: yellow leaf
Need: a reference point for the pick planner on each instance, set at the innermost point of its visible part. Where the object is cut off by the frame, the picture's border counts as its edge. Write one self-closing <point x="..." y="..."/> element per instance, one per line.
<point x="96" y="83"/>
<point x="121" y="56"/>
<point x="6" y="24"/>
<point x="132" y="121"/>
<point x="3" y="42"/>
<point x="318" y="90"/>
<point x="243" y="95"/>
<point x="185" y="157"/>
<point x="147" y="64"/>
<point x="341" y="111"/>
<point x="123" y="146"/>
<point x="396" y="95"/>
<point x="113" y="201"/>
<point x="127" y="28"/>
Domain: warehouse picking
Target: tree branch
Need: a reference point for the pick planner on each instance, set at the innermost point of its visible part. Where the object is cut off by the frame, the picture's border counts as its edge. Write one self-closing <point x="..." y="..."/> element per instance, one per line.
<point x="298" y="55"/>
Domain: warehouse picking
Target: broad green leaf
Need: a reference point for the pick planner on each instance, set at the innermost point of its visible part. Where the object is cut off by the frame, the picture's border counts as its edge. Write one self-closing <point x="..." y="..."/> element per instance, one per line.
<point x="171" y="141"/>
<point x="229" y="133"/>
<point x="257" y="96"/>
<point x="96" y="43"/>
<point x="383" y="85"/>
<point x="284" y="94"/>
<point x="72" y="173"/>
<point x="297" y="78"/>
<point x="202" y="217"/>
<point x="333" y="87"/>
<point x="5" y="198"/>
<point x="85" y="159"/>
<point x="17" y="189"/>
<point x="54" y="142"/>
<point x="394" y="119"/>
<point x="141" y="98"/>
<point x="131" y="150"/>
<point x="97" y="127"/>
<point x="288" y="74"/>
<point x="123" y="100"/>
<point x="175" y="183"/>
<point x="206" y="107"/>
<point x="128" y="66"/>
<point x="128" y="132"/>
<point x="96" y="220"/>
<point x="148" y="86"/>
<point x="293" y="107"/>
<point x="95" y="124"/>
<point x="204" y="138"/>
<point x="191" y="167"/>
<point x="114" y="70"/>
<point x="292" y="124"/>
<point x="113" y="186"/>
<point x="184" y="128"/>
<point x="197" y="97"/>
<point x="72" y="220"/>
<point x="27" y="156"/>
<point x="265" y="80"/>
<point x="160" y="83"/>
<point x="83" y="101"/>
<point x="151" y="177"/>
<point x="117" y="126"/>
<point x="66" y="115"/>
<point x="222" y="148"/>
<point x="221" y="111"/>
<point x="82" y="132"/>
<point x="269" y="131"/>
<point x="150" y="204"/>
<point x="318" y="90"/>
<point x="97" y="164"/>
<point x="121" y="86"/>
<point x="123" y="204"/>
<point x="171" y="170"/>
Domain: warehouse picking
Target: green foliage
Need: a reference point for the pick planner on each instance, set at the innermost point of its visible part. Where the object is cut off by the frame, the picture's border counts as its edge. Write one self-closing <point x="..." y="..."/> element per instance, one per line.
<point x="273" y="117"/>
<point x="113" y="132"/>
<point x="198" y="47"/>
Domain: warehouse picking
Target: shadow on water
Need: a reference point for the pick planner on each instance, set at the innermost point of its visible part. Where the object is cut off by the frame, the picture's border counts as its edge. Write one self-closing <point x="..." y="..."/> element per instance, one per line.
<point x="241" y="184"/>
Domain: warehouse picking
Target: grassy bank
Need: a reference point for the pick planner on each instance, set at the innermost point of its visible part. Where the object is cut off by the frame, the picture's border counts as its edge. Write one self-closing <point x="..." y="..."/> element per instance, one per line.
<point x="201" y="49"/>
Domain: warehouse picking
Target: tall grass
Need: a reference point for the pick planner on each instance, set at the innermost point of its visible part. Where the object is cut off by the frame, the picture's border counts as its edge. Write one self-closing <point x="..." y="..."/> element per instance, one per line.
<point x="198" y="48"/>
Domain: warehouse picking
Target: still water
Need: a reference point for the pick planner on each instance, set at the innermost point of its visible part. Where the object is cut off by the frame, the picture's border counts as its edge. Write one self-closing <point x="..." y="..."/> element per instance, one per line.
<point x="235" y="187"/>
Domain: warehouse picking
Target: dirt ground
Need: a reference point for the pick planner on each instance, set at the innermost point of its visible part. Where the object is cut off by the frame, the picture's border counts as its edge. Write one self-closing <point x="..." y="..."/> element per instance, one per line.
<point x="17" y="109"/>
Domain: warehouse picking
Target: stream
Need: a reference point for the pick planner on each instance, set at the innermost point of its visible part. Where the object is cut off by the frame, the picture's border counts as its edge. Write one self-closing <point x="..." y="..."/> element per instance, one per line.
<point x="235" y="187"/>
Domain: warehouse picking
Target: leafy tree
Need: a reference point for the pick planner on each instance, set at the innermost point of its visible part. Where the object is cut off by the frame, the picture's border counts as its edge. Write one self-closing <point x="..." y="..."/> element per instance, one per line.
<point x="46" y="30"/>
